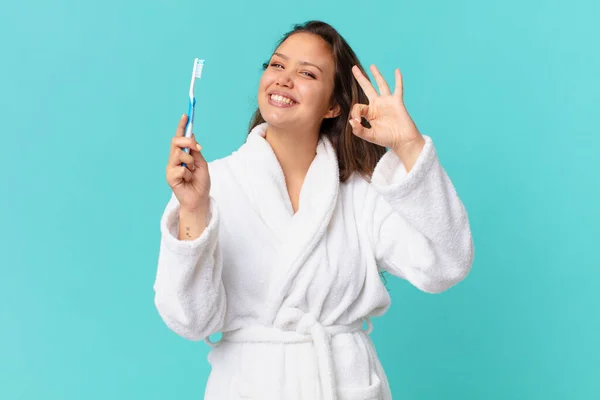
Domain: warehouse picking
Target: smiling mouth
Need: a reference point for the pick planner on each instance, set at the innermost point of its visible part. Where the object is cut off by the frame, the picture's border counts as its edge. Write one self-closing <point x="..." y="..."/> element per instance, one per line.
<point x="281" y="100"/>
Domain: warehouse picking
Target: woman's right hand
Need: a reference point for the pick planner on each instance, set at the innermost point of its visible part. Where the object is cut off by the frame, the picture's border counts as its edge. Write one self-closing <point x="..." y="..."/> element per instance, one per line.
<point x="190" y="184"/>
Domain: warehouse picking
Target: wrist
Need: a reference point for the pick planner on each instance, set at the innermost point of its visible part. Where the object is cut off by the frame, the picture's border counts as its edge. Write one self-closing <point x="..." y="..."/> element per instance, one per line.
<point x="198" y="211"/>
<point x="192" y="222"/>
<point x="409" y="151"/>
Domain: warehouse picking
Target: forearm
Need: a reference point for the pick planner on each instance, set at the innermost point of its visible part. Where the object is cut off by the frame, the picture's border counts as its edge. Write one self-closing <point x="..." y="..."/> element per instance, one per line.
<point x="426" y="237"/>
<point x="189" y="292"/>
<point x="192" y="223"/>
<point x="409" y="152"/>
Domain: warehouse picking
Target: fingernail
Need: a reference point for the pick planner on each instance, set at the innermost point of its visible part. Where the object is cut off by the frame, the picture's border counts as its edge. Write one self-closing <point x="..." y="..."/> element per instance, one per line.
<point x="198" y="147"/>
<point x="357" y="119"/>
<point x="351" y="123"/>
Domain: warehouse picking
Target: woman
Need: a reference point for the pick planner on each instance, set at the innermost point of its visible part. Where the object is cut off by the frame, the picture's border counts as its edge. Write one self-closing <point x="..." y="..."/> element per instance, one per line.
<point x="279" y="246"/>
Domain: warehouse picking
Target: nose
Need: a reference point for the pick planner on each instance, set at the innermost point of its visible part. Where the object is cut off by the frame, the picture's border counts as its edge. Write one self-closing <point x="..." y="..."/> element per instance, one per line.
<point x="285" y="79"/>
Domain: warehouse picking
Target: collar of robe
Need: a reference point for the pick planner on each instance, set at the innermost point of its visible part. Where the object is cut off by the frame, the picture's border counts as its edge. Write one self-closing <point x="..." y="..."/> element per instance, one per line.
<point x="261" y="178"/>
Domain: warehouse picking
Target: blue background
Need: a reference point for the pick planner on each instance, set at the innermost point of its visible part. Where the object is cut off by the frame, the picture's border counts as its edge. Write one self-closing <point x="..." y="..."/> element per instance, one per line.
<point x="91" y="93"/>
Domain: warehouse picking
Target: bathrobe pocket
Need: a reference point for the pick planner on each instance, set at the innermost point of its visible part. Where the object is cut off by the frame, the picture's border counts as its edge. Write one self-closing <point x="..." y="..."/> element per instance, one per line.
<point x="371" y="392"/>
<point x="356" y="365"/>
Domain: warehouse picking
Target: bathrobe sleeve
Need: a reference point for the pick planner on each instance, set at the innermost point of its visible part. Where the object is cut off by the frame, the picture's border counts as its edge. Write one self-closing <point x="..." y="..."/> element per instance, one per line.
<point x="419" y="226"/>
<point x="189" y="292"/>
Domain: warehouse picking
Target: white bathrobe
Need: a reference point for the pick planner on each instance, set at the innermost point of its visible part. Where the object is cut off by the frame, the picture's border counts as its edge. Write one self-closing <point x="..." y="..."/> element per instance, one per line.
<point x="292" y="293"/>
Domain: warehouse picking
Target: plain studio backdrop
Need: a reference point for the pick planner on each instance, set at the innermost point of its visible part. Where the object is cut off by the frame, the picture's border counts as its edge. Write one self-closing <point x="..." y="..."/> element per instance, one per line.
<point x="91" y="93"/>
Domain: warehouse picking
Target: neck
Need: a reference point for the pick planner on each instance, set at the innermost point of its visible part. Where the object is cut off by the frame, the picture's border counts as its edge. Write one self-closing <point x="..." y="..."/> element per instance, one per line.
<point x="295" y="150"/>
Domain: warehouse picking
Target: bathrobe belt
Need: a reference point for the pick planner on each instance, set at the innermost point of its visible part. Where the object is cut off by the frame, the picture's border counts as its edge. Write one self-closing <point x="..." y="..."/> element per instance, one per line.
<point x="308" y="329"/>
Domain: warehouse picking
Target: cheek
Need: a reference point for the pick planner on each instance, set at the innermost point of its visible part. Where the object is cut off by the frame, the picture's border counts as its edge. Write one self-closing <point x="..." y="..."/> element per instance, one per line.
<point x="265" y="81"/>
<point x="319" y="98"/>
<point x="263" y="85"/>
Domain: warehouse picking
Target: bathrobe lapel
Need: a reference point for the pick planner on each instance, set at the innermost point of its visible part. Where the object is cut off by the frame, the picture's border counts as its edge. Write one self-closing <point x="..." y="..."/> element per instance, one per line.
<point x="263" y="181"/>
<point x="261" y="178"/>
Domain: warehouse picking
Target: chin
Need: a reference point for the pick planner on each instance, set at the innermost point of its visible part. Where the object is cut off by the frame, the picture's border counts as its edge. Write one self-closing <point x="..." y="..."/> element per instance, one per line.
<point x="276" y="118"/>
<point x="284" y="118"/>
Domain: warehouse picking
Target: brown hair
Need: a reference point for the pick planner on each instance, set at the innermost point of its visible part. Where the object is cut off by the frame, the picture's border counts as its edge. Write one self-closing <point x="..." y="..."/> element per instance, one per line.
<point x="354" y="154"/>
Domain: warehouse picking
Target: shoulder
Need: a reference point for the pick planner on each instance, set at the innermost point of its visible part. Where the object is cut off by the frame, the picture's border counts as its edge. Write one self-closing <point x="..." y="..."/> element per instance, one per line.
<point x="355" y="184"/>
<point x="220" y="171"/>
<point x="361" y="195"/>
<point x="218" y="165"/>
<point x="222" y="164"/>
<point x="225" y="173"/>
<point x="357" y="190"/>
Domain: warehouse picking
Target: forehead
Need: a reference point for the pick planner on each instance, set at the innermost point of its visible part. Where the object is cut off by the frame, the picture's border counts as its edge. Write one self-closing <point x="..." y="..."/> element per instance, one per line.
<point x="306" y="47"/>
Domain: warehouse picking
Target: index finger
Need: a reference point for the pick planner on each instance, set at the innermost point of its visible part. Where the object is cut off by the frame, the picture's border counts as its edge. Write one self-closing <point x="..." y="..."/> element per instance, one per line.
<point x="364" y="83"/>
<point x="181" y="127"/>
<point x="384" y="89"/>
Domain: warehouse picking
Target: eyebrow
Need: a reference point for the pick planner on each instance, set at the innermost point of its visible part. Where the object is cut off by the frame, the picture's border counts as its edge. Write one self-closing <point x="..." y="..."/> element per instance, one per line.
<point x="302" y="62"/>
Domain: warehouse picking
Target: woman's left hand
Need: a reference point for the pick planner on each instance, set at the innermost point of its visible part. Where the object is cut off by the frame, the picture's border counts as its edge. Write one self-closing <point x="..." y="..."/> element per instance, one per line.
<point x="391" y="125"/>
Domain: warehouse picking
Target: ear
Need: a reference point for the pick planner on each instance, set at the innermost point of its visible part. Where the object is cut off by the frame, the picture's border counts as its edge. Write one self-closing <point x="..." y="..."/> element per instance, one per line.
<point x="333" y="111"/>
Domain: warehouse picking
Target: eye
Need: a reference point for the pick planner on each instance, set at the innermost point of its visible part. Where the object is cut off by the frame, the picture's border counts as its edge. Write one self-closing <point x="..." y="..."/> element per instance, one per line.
<point x="276" y="65"/>
<point x="309" y="74"/>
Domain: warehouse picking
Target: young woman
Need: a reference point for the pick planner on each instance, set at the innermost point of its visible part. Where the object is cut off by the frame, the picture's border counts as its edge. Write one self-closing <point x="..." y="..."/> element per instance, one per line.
<point x="280" y="245"/>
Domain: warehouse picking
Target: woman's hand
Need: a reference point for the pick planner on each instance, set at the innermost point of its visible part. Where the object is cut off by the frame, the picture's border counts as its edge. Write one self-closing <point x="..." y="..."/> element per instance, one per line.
<point x="190" y="184"/>
<point x="391" y="125"/>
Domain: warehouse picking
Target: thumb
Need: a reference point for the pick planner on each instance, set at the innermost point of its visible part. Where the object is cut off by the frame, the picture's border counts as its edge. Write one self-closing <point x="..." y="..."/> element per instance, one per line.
<point x="196" y="152"/>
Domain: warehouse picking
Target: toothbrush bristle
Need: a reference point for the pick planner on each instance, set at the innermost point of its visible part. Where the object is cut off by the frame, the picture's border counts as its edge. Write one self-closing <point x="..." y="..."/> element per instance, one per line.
<point x="199" y="66"/>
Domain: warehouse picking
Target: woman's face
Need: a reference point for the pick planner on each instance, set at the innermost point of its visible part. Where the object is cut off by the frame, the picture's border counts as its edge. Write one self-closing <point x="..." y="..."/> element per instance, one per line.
<point x="296" y="88"/>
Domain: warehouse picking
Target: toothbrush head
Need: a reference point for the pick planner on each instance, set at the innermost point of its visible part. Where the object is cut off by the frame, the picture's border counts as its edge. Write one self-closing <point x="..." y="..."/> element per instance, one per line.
<point x="198" y="65"/>
<point x="196" y="74"/>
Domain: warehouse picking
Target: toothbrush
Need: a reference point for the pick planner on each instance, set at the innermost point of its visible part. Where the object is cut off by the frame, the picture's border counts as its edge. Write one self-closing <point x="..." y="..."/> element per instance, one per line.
<point x="196" y="74"/>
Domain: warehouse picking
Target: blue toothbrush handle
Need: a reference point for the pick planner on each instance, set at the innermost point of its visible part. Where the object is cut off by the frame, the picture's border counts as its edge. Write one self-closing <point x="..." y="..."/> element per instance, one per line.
<point x="190" y="123"/>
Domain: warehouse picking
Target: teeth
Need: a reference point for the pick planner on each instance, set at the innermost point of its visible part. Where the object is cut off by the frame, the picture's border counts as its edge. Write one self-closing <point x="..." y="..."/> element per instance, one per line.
<point x="281" y="99"/>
